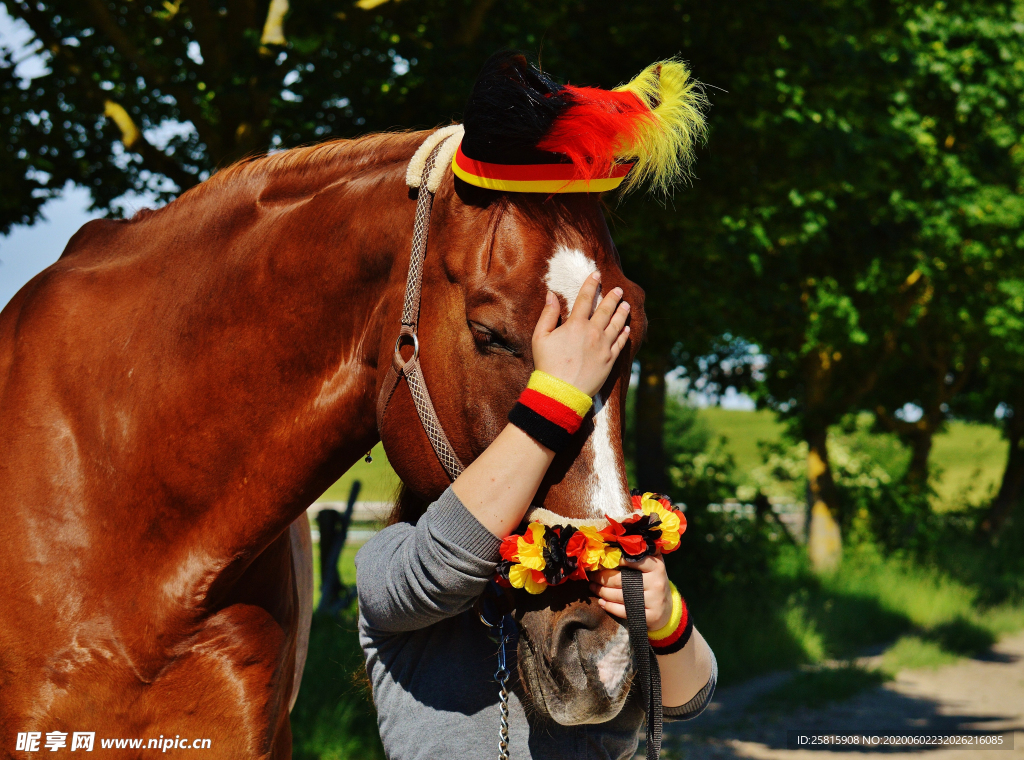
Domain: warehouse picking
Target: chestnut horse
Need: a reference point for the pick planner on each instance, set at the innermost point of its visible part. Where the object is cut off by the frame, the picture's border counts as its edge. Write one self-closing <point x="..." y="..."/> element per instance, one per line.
<point x="179" y="387"/>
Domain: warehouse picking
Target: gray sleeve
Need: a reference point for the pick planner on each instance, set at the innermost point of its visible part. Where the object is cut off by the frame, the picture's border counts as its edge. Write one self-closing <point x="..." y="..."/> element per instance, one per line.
<point x="409" y="577"/>
<point x="701" y="699"/>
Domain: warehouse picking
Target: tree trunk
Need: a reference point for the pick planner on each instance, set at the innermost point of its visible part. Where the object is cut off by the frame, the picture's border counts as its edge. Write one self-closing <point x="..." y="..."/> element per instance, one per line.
<point x="916" y="476"/>
<point x="824" y="541"/>
<point x="1012" y="487"/>
<point x="650" y="425"/>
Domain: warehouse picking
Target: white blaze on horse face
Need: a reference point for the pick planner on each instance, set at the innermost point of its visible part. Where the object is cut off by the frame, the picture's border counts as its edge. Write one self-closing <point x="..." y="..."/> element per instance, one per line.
<point x="567" y="271"/>
<point x="613" y="663"/>
<point x="606" y="495"/>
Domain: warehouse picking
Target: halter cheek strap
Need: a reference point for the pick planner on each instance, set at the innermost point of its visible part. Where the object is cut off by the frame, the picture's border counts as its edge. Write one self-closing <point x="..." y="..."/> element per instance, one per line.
<point x="437" y="148"/>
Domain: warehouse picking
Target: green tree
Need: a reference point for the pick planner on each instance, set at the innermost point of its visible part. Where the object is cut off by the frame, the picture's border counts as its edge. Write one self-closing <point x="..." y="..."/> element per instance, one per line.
<point x="898" y="131"/>
<point x="239" y="74"/>
<point x="997" y="387"/>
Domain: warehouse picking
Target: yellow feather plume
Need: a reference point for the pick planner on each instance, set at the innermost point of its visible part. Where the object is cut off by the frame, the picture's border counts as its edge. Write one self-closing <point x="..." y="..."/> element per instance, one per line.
<point x="663" y="149"/>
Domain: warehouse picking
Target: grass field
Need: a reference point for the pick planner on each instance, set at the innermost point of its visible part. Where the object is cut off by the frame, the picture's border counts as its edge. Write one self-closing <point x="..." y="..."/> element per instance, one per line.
<point x="967" y="459"/>
<point x="380" y="483"/>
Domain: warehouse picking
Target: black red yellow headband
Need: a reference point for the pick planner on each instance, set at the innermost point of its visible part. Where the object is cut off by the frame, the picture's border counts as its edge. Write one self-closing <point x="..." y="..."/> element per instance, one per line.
<point x="534" y="178"/>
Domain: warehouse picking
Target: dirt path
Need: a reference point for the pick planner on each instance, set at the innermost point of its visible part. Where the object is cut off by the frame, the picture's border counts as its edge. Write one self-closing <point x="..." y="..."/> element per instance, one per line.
<point x="984" y="694"/>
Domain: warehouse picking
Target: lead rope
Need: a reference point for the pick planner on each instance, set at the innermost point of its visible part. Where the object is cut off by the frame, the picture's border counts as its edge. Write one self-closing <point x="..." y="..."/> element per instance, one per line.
<point x="501" y="675"/>
<point x="646" y="660"/>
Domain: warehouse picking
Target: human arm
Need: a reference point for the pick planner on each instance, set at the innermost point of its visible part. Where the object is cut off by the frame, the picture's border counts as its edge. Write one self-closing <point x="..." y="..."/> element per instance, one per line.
<point x="499" y="485"/>
<point x="688" y="676"/>
<point x="412" y="576"/>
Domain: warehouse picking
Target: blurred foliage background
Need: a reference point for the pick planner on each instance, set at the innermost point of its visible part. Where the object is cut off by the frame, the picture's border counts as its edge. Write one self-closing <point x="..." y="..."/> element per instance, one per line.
<point x="848" y="255"/>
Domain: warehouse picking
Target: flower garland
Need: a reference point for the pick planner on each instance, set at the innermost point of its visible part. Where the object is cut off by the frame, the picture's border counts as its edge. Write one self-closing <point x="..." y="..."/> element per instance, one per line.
<point x="543" y="555"/>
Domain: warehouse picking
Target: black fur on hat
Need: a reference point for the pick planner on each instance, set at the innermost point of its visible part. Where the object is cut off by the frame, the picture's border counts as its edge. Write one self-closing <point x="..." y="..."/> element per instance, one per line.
<point x="511" y="108"/>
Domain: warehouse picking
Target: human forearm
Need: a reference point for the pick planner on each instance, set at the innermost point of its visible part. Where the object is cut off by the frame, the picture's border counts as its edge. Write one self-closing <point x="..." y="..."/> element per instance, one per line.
<point x="499" y="485"/>
<point x="686" y="672"/>
<point x="410" y="576"/>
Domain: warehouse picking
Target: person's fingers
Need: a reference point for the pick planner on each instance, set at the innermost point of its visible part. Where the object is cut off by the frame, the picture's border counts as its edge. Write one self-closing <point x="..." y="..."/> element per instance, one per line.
<point x="548" y="316"/>
<point x="612" y="608"/>
<point x="608" y="594"/>
<point x="585" y="300"/>
<point x="617" y="321"/>
<point x="646" y="565"/>
<point x="620" y="343"/>
<point x="609" y="578"/>
<point x="606" y="309"/>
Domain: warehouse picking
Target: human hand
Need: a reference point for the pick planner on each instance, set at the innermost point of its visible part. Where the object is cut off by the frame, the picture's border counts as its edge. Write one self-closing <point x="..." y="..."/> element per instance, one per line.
<point x="607" y="587"/>
<point x="583" y="349"/>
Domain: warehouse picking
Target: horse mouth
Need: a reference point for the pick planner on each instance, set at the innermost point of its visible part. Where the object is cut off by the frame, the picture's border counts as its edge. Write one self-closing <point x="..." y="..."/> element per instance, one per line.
<point x="583" y="678"/>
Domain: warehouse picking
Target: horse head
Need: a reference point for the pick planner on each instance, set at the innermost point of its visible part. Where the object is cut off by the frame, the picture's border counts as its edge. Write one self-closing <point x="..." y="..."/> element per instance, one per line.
<point x="522" y="216"/>
<point x="491" y="259"/>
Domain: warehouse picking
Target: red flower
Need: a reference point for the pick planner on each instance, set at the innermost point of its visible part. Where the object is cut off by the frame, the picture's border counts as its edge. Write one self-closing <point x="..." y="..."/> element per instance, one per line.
<point x="632" y="544"/>
<point x="510" y="548"/>
<point x="577" y="545"/>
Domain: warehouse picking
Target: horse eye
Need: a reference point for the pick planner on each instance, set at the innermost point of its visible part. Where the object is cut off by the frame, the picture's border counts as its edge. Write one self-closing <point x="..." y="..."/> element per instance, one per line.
<point x="488" y="340"/>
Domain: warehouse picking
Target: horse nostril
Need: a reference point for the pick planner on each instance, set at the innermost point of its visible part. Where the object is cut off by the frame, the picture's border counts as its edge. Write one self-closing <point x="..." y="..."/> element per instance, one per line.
<point x="581" y="628"/>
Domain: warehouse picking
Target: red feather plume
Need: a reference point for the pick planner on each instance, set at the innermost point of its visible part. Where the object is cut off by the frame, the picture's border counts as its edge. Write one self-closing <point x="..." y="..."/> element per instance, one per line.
<point x="595" y="127"/>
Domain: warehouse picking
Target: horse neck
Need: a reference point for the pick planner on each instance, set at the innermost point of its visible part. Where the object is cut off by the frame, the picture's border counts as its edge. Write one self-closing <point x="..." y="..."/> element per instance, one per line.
<point x="268" y="381"/>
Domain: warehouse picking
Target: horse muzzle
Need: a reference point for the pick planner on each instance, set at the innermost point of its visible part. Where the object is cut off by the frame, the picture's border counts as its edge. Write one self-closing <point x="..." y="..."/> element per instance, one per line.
<point x="575" y="660"/>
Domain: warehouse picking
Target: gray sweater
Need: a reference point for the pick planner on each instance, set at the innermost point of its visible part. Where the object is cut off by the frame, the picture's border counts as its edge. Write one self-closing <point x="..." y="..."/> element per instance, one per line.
<point x="432" y="664"/>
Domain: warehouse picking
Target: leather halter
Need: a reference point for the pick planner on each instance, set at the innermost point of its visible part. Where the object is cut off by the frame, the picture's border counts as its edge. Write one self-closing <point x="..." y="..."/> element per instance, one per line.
<point x="411" y="369"/>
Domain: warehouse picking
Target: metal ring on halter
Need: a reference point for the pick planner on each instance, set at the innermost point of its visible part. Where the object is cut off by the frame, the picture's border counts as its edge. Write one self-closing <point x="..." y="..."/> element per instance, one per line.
<point x="399" y="361"/>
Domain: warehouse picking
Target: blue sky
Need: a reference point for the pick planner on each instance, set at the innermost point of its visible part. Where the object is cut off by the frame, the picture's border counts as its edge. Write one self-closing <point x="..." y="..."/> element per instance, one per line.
<point x="28" y="250"/>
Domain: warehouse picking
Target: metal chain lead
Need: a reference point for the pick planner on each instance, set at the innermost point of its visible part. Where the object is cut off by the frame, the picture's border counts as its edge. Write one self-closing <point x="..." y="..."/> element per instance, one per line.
<point x="501" y="676"/>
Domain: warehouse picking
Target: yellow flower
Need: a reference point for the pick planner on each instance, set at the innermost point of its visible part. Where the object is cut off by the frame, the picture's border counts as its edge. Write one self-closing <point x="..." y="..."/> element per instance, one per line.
<point x="524" y="577"/>
<point x="596" y="546"/>
<point x="531" y="555"/>
<point x="612" y="558"/>
<point x="536" y="583"/>
<point x="669" y="521"/>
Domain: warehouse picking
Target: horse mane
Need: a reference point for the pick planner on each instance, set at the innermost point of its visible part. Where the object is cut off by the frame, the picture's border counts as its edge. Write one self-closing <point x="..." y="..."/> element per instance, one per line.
<point x="314" y="166"/>
<point x="408" y="507"/>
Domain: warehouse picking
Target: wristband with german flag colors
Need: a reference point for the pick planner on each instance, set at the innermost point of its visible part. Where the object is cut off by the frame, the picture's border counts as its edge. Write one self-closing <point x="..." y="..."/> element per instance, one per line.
<point x="550" y="410"/>
<point x="676" y="632"/>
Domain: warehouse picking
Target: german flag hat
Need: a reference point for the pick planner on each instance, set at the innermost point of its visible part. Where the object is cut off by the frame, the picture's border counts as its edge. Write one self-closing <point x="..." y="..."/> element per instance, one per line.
<point x="526" y="133"/>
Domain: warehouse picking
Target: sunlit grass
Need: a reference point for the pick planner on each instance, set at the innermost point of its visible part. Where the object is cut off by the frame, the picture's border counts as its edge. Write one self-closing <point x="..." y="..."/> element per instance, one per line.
<point x="967" y="459"/>
<point x="911" y="652"/>
<point x="796" y="618"/>
<point x="379" y="481"/>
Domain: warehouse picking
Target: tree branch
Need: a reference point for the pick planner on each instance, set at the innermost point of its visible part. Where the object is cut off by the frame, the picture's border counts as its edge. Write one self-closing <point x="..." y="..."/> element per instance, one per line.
<point x="110" y="28"/>
<point x="474" y="22"/>
<point x="155" y="159"/>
